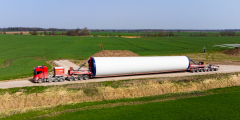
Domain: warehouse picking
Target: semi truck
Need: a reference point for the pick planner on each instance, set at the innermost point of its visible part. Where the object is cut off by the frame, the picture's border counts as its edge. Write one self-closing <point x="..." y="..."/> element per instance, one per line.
<point x="119" y="66"/>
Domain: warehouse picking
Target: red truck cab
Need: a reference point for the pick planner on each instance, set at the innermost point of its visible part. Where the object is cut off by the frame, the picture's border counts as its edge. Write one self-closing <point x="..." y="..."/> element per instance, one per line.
<point x="40" y="72"/>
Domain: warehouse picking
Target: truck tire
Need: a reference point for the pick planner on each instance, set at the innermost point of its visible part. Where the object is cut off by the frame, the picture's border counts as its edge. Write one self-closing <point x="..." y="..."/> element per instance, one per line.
<point x="56" y="80"/>
<point x="61" y="79"/>
<point x="86" y="77"/>
<point x="40" y="81"/>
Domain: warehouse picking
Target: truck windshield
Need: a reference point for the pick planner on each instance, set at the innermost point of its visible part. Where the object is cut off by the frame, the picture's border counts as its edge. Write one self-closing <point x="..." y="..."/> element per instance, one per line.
<point x="38" y="72"/>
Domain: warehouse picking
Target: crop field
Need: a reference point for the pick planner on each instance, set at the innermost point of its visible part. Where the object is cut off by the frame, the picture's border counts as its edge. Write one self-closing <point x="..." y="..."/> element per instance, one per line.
<point x="107" y="33"/>
<point x="20" y="53"/>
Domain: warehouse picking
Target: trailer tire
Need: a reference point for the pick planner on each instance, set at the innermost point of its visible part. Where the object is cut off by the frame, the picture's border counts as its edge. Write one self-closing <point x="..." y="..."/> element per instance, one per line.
<point x="215" y="69"/>
<point x="193" y="71"/>
<point x="40" y="81"/>
<point x="75" y="78"/>
<point x="211" y="69"/>
<point x="70" y="78"/>
<point x="80" y="77"/>
<point x="203" y="70"/>
<point x="200" y="70"/>
<point x="86" y="77"/>
<point x="207" y="70"/>
<point x="197" y="70"/>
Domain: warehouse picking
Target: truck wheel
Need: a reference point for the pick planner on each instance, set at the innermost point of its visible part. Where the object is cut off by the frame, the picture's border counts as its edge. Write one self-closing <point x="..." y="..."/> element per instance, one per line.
<point x="86" y="77"/>
<point x="211" y="69"/>
<point x="80" y="77"/>
<point x="61" y="79"/>
<point x="49" y="80"/>
<point x="40" y="81"/>
<point x="56" y="80"/>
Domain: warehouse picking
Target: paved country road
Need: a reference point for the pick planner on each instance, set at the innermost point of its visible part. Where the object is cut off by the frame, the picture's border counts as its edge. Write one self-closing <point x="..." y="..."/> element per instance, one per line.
<point x="23" y="83"/>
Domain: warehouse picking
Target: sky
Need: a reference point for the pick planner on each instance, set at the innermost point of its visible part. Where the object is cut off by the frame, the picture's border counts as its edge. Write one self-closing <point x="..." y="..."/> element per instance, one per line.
<point x="121" y="14"/>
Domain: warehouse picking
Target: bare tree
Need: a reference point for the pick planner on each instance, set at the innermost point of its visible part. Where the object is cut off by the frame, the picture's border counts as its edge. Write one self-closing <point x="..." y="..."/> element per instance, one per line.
<point x="45" y="33"/>
<point x="85" y="32"/>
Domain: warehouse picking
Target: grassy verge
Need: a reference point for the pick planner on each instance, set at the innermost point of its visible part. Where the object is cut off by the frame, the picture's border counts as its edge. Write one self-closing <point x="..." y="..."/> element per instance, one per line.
<point x="19" y="100"/>
<point x="210" y="104"/>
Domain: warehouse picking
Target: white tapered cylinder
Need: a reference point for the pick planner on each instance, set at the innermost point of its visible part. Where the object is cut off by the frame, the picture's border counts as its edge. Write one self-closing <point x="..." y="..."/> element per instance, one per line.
<point x="107" y="66"/>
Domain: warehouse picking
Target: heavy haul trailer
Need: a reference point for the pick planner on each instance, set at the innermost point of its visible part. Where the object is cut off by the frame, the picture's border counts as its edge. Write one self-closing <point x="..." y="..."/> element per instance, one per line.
<point x="118" y="66"/>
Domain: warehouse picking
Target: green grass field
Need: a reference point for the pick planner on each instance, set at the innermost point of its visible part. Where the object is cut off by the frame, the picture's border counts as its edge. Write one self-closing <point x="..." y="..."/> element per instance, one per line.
<point x="28" y="51"/>
<point x="212" y="104"/>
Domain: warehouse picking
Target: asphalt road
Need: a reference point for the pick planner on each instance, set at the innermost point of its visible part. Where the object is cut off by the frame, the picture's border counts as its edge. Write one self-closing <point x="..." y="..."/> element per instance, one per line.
<point x="23" y="83"/>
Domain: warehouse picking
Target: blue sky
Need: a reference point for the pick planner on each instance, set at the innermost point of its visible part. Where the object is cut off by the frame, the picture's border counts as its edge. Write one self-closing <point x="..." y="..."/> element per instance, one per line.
<point x="122" y="14"/>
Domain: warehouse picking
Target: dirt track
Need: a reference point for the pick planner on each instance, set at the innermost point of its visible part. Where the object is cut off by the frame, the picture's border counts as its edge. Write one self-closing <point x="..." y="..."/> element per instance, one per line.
<point x="23" y="83"/>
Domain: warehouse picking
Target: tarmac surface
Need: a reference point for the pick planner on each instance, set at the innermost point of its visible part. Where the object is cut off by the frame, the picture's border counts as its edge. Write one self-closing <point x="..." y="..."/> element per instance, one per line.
<point x="24" y="83"/>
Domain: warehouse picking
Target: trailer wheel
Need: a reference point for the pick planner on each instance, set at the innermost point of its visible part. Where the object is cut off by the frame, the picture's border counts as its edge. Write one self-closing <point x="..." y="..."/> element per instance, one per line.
<point x="86" y="77"/>
<point x="80" y="77"/>
<point x="40" y="81"/>
<point x="203" y="70"/>
<point x="197" y="70"/>
<point x="211" y="69"/>
<point x="193" y="71"/>
<point x="215" y="69"/>
<point x="200" y="70"/>
<point x="75" y="78"/>
<point x="70" y="78"/>
<point x="207" y="70"/>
